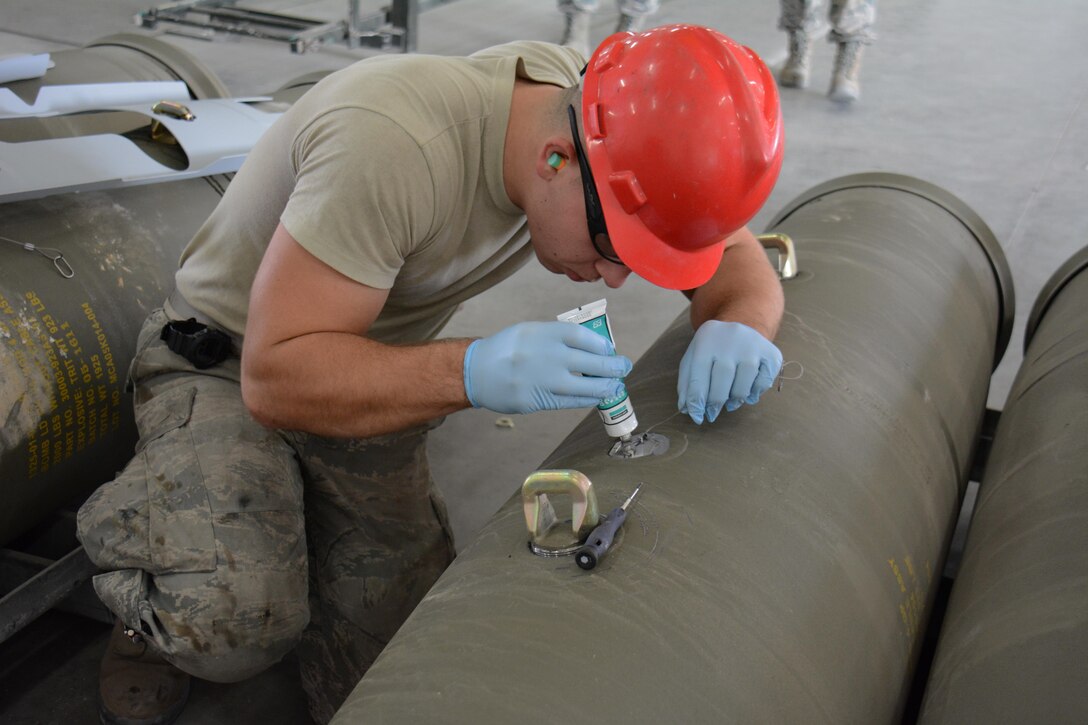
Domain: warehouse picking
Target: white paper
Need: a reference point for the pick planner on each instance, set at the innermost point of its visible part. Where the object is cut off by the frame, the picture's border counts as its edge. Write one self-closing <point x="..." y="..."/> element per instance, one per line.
<point x="54" y="100"/>
<point x="216" y="141"/>
<point x="22" y="66"/>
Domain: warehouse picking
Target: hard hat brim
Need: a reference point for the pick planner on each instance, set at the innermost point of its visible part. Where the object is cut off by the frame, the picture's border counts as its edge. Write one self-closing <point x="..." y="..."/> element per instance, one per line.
<point x="651" y="258"/>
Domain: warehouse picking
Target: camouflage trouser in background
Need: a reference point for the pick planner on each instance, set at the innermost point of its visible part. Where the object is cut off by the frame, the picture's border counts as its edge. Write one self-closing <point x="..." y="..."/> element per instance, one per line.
<point x="850" y="19"/>
<point x="227" y="543"/>
<point x="633" y="8"/>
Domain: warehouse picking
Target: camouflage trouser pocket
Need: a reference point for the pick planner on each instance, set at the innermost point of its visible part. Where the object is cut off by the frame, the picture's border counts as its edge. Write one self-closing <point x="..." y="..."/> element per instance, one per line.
<point x="203" y="532"/>
<point x="180" y="533"/>
<point x="155" y="515"/>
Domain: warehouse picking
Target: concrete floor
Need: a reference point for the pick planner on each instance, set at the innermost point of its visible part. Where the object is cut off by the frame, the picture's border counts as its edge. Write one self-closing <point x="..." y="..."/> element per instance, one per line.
<point x="985" y="98"/>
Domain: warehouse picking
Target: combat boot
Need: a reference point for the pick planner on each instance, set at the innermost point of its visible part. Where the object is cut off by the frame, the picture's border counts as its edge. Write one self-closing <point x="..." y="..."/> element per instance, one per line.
<point x="135" y="685"/>
<point x="795" y="73"/>
<point x="629" y="23"/>
<point x="576" y="32"/>
<point x="844" y="80"/>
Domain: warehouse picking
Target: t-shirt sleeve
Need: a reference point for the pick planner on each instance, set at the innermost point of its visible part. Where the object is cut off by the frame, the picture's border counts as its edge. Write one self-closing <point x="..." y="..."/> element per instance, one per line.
<point x="363" y="196"/>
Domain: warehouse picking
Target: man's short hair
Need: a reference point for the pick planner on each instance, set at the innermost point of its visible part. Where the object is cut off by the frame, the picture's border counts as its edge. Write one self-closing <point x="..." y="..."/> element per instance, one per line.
<point x="557" y="116"/>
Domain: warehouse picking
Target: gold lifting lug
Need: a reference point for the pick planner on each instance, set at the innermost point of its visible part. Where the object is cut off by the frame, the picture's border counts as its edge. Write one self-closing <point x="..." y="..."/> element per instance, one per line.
<point x="787" y="255"/>
<point x="546" y="537"/>
<point x="174" y="109"/>
<point x="159" y="132"/>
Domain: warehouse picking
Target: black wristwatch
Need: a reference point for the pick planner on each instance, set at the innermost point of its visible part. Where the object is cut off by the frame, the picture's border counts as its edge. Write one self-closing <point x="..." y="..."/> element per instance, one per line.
<point x="201" y="345"/>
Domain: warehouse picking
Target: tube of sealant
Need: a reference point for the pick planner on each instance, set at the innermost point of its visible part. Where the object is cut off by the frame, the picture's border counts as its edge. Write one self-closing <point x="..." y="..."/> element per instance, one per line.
<point x="617" y="413"/>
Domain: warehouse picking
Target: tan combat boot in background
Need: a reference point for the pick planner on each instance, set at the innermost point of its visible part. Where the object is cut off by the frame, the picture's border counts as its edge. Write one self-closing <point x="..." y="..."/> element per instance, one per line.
<point x="844" y="80"/>
<point x="136" y="686"/>
<point x="794" y="73"/>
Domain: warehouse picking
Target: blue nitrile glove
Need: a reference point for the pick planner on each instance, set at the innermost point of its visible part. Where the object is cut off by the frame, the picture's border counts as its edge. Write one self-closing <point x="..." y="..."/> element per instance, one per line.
<point x="535" y="366"/>
<point x="727" y="364"/>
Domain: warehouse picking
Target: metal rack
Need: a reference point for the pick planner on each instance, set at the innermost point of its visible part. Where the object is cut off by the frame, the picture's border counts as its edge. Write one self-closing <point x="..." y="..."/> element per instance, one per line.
<point x="394" y="27"/>
<point x="46" y="568"/>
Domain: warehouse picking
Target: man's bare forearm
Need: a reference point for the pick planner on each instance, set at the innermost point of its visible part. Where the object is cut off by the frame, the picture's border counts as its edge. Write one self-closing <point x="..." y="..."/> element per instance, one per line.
<point x="744" y="289"/>
<point x="343" y="385"/>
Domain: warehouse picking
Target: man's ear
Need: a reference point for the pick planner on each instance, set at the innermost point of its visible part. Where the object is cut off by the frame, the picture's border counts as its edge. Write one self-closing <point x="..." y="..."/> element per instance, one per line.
<point x="556" y="155"/>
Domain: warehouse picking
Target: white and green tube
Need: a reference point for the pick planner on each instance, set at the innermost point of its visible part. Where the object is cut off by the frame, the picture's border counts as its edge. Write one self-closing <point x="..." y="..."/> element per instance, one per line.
<point x="617" y="413"/>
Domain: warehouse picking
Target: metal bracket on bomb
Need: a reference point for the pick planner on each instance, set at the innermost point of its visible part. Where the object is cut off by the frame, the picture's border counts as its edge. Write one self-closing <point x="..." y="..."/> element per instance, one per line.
<point x="546" y="536"/>
<point x="647" y="444"/>
<point x="590" y="535"/>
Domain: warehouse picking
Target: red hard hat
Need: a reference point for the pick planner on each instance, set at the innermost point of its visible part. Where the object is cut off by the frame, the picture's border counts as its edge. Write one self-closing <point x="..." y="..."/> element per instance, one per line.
<point x="684" y="137"/>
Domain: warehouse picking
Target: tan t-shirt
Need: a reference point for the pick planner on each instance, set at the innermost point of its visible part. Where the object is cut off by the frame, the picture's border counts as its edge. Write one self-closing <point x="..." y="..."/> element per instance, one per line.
<point x="389" y="171"/>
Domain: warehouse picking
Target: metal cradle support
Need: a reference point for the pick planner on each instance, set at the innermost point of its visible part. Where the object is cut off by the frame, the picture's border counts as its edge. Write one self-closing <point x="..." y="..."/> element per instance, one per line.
<point x="394" y="27"/>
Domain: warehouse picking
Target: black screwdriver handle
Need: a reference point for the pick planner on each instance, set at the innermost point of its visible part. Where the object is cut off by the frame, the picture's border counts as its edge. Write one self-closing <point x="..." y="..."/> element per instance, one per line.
<point x="600" y="539"/>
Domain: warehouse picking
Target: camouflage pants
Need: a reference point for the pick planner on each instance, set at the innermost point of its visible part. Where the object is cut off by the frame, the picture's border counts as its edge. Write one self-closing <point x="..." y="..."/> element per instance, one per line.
<point x="633" y="8"/>
<point x="227" y="544"/>
<point x="851" y="20"/>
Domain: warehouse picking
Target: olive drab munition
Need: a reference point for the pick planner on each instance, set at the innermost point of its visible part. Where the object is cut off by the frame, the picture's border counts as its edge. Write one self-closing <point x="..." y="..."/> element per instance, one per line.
<point x="79" y="272"/>
<point x="1012" y="644"/>
<point x="794" y="585"/>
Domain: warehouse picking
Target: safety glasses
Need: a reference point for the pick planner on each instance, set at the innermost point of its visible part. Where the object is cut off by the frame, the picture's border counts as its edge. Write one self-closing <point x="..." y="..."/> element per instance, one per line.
<point x="594" y="213"/>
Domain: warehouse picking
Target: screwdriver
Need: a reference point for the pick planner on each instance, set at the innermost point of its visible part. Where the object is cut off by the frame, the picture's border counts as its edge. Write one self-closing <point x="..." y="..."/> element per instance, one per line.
<point x="601" y="537"/>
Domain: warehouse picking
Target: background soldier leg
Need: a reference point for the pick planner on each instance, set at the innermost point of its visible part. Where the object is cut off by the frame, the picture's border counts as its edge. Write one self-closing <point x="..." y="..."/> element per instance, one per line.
<point x="633" y="14"/>
<point x="851" y="30"/>
<point x="577" y="15"/>
<point x="798" y="18"/>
